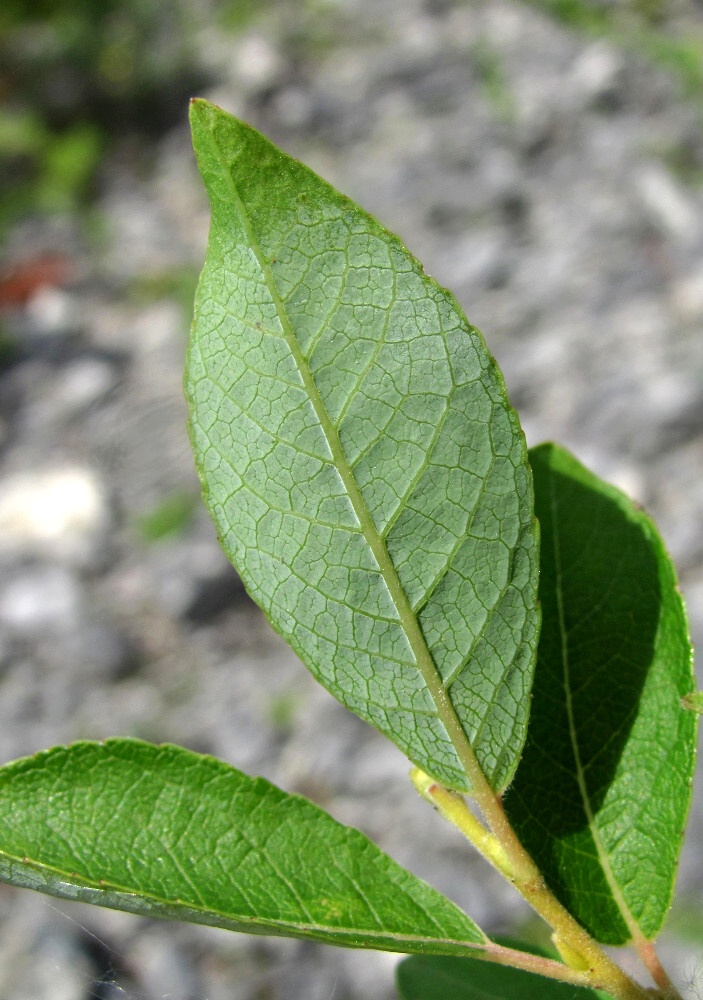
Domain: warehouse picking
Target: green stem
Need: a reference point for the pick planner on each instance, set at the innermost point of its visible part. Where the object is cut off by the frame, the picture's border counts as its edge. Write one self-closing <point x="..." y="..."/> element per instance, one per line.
<point x="499" y="844"/>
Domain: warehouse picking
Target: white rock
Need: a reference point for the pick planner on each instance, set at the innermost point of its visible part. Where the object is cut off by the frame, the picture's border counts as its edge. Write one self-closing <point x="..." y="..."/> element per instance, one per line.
<point x="56" y="513"/>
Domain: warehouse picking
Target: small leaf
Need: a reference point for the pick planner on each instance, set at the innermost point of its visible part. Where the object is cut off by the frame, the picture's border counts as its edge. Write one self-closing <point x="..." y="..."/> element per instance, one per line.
<point x="601" y="796"/>
<point x="367" y="476"/>
<point x="432" y="978"/>
<point x="165" y="832"/>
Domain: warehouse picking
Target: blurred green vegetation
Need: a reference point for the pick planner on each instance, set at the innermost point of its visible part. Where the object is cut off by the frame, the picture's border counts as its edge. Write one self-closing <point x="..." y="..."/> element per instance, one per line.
<point x="42" y="169"/>
<point x="170" y="517"/>
<point x="78" y="77"/>
<point x="73" y="77"/>
<point x="108" y="62"/>
<point x="494" y="80"/>
<point x="282" y="711"/>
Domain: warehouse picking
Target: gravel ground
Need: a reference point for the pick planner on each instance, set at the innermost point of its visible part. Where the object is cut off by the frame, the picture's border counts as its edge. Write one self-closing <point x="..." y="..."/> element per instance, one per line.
<point x="536" y="173"/>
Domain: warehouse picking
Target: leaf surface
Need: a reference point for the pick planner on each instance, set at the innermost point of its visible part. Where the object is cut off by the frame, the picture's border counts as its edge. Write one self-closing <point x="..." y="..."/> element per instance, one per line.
<point x="367" y="476"/>
<point x="165" y="832"/>
<point x="601" y="796"/>
<point x="694" y="702"/>
<point x="431" y="978"/>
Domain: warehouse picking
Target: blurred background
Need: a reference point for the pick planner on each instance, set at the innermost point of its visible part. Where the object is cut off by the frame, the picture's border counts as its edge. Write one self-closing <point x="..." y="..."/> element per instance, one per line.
<point x="543" y="159"/>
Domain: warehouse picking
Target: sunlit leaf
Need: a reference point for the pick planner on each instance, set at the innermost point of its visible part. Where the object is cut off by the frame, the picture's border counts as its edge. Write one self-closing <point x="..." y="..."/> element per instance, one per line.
<point x="165" y="832"/>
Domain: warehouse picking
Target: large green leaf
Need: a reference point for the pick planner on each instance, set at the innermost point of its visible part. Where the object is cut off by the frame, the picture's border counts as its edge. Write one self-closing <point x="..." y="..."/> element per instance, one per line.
<point x="432" y="978"/>
<point x="366" y="474"/>
<point x="601" y="796"/>
<point x="169" y="833"/>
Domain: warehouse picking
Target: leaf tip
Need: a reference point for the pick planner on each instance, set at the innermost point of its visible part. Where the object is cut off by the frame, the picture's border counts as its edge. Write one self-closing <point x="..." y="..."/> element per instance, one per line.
<point x="204" y="116"/>
<point x="199" y="110"/>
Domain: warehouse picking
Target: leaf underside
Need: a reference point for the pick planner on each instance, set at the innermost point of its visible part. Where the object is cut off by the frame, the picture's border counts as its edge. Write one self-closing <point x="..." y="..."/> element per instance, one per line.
<point x="165" y="832"/>
<point x="601" y="796"/>
<point x="366" y="474"/>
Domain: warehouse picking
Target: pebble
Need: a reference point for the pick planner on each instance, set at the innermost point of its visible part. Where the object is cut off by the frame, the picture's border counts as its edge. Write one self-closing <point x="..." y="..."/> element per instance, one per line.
<point x="58" y="513"/>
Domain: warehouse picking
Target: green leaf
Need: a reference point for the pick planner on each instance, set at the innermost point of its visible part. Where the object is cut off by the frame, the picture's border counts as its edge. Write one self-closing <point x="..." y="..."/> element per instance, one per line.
<point x="432" y="978"/>
<point x="165" y="832"/>
<point x="601" y="796"/>
<point x="367" y="476"/>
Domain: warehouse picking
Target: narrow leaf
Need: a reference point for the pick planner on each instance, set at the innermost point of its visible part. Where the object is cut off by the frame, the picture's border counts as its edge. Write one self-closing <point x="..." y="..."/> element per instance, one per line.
<point x="601" y="796"/>
<point x="367" y="476"/>
<point x="165" y="832"/>
<point x="431" y="978"/>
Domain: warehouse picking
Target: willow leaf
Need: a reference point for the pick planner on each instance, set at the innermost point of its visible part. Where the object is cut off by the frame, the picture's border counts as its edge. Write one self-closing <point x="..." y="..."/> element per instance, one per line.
<point x="164" y="832"/>
<point x="367" y="476"/>
<point x="601" y="796"/>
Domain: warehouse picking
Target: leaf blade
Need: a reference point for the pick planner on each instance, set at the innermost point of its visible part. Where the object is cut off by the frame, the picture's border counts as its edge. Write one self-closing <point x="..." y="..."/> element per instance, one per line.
<point x="385" y="524"/>
<point x="602" y="793"/>
<point x="168" y="833"/>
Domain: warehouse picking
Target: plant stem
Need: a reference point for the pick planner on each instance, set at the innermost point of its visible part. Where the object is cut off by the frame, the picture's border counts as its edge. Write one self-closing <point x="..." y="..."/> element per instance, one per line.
<point x="501" y="847"/>
<point x="648" y="954"/>
<point x="534" y="963"/>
